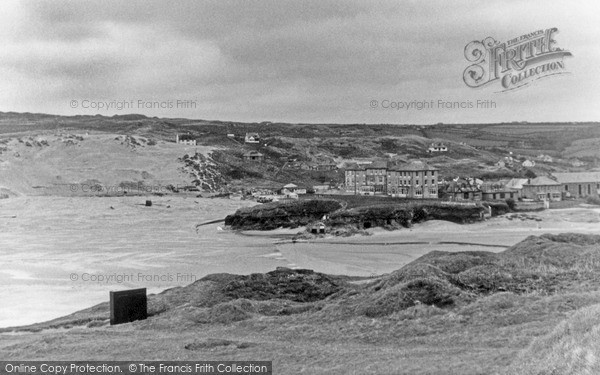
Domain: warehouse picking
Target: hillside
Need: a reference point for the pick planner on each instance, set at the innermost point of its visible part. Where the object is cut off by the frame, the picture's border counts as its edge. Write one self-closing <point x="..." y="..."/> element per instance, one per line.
<point x="40" y="152"/>
<point x="90" y="164"/>
<point x="465" y="312"/>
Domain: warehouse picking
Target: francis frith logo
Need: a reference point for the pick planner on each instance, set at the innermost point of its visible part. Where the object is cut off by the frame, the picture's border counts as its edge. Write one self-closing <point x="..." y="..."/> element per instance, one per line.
<point x="515" y="63"/>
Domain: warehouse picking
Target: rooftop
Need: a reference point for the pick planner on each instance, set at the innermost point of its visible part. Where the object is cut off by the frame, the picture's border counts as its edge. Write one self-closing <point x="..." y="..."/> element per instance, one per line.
<point x="566" y="178"/>
<point x="543" y="180"/>
<point x="516" y="183"/>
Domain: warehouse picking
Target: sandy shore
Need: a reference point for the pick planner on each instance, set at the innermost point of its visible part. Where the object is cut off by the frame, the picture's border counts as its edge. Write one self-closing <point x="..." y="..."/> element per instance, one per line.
<point x="59" y="255"/>
<point x="385" y="251"/>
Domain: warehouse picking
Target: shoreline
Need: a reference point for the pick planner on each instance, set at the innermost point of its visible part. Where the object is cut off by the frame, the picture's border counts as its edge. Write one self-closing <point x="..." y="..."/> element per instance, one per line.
<point x="382" y="251"/>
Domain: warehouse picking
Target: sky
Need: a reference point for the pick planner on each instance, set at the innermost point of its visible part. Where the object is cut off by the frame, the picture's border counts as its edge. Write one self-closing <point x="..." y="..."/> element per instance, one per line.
<point x="295" y="61"/>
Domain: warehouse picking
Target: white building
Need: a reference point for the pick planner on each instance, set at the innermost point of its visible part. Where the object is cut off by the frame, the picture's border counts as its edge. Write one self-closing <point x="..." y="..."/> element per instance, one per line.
<point x="185" y="139"/>
<point x="252" y="138"/>
<point x="437" y="147"/>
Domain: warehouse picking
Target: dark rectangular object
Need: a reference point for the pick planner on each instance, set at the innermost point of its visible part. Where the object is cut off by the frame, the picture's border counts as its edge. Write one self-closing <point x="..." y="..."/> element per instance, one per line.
<point x="128" y="305"/>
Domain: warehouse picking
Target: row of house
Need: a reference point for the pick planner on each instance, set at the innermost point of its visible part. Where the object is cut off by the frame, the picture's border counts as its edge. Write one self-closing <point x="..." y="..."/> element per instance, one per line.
<point x="557" y="187"/>
<point x="411" y="180"/>
<point x="564" y="185"/>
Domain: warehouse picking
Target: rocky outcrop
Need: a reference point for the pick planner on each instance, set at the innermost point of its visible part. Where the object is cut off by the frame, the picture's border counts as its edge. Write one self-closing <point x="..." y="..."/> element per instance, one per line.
<point x="204" y="172"/>
<point x="304" y="212"/>
<point x="404" y="215"/>
<point x="281" y="214"/>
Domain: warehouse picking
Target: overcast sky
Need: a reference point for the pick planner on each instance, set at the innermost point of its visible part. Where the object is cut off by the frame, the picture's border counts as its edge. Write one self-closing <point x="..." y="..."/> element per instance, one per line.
<point x="291" y="61"/>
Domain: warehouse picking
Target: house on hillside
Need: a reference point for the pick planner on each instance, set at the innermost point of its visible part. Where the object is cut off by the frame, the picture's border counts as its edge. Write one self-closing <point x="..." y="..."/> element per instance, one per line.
<point x="292" y="189"/>
<point x="528" y="163"/>
<point x="253" y="156"/>
<point x="252" y="138"/>
<point x="323" y="167"/>
<point x="545" y="158"/>
<point x="542" y="189"/>
<point x="506" y="161"/>
<point x="579" y="184"/>
<point x="576" y="163"/>
<point x="185" y="139"/>
<point x="321" y="188"/>
<point x="437" y="147"/>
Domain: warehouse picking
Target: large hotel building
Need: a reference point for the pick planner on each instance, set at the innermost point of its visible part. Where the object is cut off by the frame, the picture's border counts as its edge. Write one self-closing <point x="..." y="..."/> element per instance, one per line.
<point x="412" y="180"/>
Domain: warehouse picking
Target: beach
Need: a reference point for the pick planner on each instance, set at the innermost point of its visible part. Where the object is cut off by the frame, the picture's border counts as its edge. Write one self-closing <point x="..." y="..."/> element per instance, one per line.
<point x="62" y="254"/>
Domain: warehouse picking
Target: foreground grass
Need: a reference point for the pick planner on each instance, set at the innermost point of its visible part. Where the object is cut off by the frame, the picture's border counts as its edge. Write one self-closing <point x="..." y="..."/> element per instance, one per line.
<point x="533" y="309"/>
<point x="480" y="339"/>
<point x="570" y="348"/>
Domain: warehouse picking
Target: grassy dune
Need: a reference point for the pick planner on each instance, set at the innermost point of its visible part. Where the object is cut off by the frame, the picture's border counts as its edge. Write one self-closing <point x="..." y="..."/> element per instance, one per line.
<point x="571" y="348"/>
<point x="531" y="309"/>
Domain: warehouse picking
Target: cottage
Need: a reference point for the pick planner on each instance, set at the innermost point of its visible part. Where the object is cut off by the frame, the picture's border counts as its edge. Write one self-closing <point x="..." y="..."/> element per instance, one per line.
<point x="542" y="189"/>
<point x="516" y="184"/>
<point x="462" y="190"/>
<point x="437" y="147"/>
<point x="545" y="158"/>
<point x="579" y="184"/>
<point x="497" y="190"/>
<point x="577" y="163"/>
<point x="528" y="163"/>
<point x="317" y="228"/>
<point x="292" y="189"/>
<point x="185" y="139"/>
<point x="252" y="138"/>
<point x="253" y="156"/>
<point x="506" y="161"/>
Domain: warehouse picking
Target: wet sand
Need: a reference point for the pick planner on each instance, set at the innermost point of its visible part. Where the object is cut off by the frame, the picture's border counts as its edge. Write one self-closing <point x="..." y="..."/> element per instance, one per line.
<point x="59" y="255"/>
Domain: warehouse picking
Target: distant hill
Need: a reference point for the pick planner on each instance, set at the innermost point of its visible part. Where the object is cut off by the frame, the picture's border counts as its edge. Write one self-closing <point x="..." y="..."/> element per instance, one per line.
<point x="294" y="152"/>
